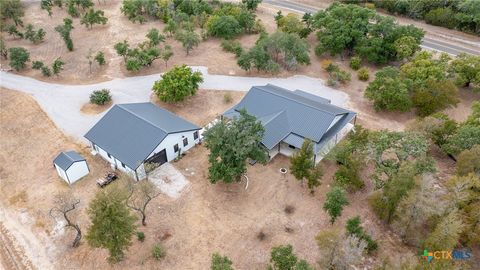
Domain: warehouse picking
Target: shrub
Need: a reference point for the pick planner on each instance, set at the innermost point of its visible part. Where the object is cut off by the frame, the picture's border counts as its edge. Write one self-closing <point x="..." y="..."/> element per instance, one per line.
<point x="37" y="64"/>
<point x="140" y="236"/>
<point x="18" y="57"/>
<point x="178" y="84"/>
<point x="355" y="62"/>
<point x="325" y="63"/>
<point x="336" y="74"/>
<point x="362" y="74"/>
<point x="442" y="17"/>
<point x="100" y="97"/>
<point x="227" y="98"/>
<point x="225" y="27"/>
<point x="46" y="71"/>
<point x="232" y="46"/>
<point x="158" y="252"/>
<point x="353" y="227"/>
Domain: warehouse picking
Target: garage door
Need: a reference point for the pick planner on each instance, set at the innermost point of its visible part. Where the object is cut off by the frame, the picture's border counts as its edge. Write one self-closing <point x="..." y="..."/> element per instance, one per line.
<point x="158" y="158"/>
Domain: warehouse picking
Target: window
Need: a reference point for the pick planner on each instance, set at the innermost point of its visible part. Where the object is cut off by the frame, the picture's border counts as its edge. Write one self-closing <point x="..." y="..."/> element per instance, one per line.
<point x="123" y="165"/>
<point x="291" y="146"/>
<point x="175" y="148"/>
<point x="109" y="156"/>
<point x="185" y="142"/>
<point x="195" y="135"/>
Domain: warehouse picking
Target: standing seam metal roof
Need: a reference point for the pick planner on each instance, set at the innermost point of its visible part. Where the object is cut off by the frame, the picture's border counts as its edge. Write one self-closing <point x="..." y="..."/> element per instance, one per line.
<point x="65" y="159"/>
<point x="130" y="132"/>
<point x="284" y="112"/>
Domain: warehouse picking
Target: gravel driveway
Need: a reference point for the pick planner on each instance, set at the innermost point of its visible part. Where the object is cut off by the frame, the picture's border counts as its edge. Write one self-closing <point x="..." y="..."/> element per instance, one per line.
<point x="62" y="103"/>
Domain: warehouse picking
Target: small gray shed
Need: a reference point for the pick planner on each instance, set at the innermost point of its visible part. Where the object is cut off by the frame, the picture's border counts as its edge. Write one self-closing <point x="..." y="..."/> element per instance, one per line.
<point x="71" y="166"/>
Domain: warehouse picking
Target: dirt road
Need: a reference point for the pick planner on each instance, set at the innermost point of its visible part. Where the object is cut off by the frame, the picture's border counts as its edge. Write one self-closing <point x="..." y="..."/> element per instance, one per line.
<point x="12" y="256"/>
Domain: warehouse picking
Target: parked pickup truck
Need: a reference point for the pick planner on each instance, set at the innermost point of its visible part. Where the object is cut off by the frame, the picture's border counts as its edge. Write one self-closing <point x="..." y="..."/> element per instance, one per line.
<point x="109" y="177"/>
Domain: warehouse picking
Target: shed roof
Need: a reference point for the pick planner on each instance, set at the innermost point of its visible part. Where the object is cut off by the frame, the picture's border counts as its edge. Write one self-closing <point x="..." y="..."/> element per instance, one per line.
<point x="65" y="159"/>
<point x="130" y="132"/>
<point x="290" y="116"/>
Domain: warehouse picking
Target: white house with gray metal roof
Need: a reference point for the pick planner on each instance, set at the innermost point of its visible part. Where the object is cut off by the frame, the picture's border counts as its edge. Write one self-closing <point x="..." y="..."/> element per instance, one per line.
<point x="70" y="166"/>
<point x="290" y="117"/>
<point x="130" y="135"/>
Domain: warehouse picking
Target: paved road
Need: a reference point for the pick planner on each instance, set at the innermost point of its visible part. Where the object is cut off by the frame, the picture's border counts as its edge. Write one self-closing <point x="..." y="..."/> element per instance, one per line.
<point x="62" y="103"/>
<point x="427" y="43"/>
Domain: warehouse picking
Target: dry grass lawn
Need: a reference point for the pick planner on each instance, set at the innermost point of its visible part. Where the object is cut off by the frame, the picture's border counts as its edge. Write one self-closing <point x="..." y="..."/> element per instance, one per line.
<point x="205" y="219"/>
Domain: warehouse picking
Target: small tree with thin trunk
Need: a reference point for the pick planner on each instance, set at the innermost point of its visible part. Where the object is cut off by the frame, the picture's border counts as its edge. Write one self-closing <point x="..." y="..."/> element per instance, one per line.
<point x="100" y="58"/>
<point x="57" y="66"/>
<point x="335" y="202"/>
<point x="93" y="17"/>
<point x="140" y="195"/>
<point x="65" y="206"/>
<point x="189" y="39"/>
<point x="303" y="167"/>
<point x="167" y="54"/>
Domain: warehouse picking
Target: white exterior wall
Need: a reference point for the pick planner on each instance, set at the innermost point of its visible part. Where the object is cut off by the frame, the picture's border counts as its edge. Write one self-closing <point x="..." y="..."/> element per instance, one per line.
<point x="286" y="150"/>
<point x="333" y="141"/>
<point x="167" y="144"/>
<point x="61" y="173"/>
<point x="173" y="139"/>
<point x="273" y="152"/>
<point x="76" y="171"/>
<point x="116" y="164"/>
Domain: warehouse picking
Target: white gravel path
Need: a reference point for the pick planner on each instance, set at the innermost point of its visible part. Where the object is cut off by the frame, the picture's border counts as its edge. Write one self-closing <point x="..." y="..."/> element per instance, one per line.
<point x="62" y="103"/>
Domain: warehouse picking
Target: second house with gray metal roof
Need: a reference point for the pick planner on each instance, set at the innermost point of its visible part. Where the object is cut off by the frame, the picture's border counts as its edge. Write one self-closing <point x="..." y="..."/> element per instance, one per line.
<point x="130" y="136"/>
<point x="290" y="117"/>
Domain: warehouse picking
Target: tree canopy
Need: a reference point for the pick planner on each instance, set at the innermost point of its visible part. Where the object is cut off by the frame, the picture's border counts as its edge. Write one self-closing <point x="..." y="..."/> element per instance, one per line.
<point x="177" y="84"/>
<point x="335" y="202"/>
<point x="350" y="28"/>
<point x="231" y="143"/>
<point x="18" y="57"/>
<point x="112" y="223"/>
<point x="92" y="17"/>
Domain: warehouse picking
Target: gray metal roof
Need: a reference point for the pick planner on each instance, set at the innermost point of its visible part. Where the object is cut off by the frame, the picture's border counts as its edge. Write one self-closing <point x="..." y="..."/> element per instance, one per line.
<point x="130" y="132"/>
<point x="312" y="96"/>
<point x="65" y="159"/>
<point x="284" y="112"/>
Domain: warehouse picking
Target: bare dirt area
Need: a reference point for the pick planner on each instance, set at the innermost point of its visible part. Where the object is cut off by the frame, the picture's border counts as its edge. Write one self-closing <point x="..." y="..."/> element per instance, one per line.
<point x="205" y="106"/>
<point x="205" y="219"/>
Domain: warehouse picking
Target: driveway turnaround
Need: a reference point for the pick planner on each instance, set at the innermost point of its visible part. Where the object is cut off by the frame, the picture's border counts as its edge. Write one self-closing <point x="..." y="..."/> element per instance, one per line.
<point x="62" y="102"/>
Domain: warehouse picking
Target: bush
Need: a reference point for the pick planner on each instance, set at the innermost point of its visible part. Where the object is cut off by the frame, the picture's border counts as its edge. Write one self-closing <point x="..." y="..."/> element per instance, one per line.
<point x="225" y="27"/>
<point x="347" y="175"/>
<point x="140" y="236"/>
<point x="18" y="57"/>
<point x="353" y="227"/>
<point x="100" y="97"/>
<point x="232" y="46"/>
<point x="158" y="252"/>
<point x="442" y="17"/>
<point x="37" y="64"/>
<point x="336" y="74"/>
<point x="177" y="84"/>
<point x="46" y="71"/>
<point x="227" y="98"/>
<point x="362" y="74"/>
<point x="355" y="62"/>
